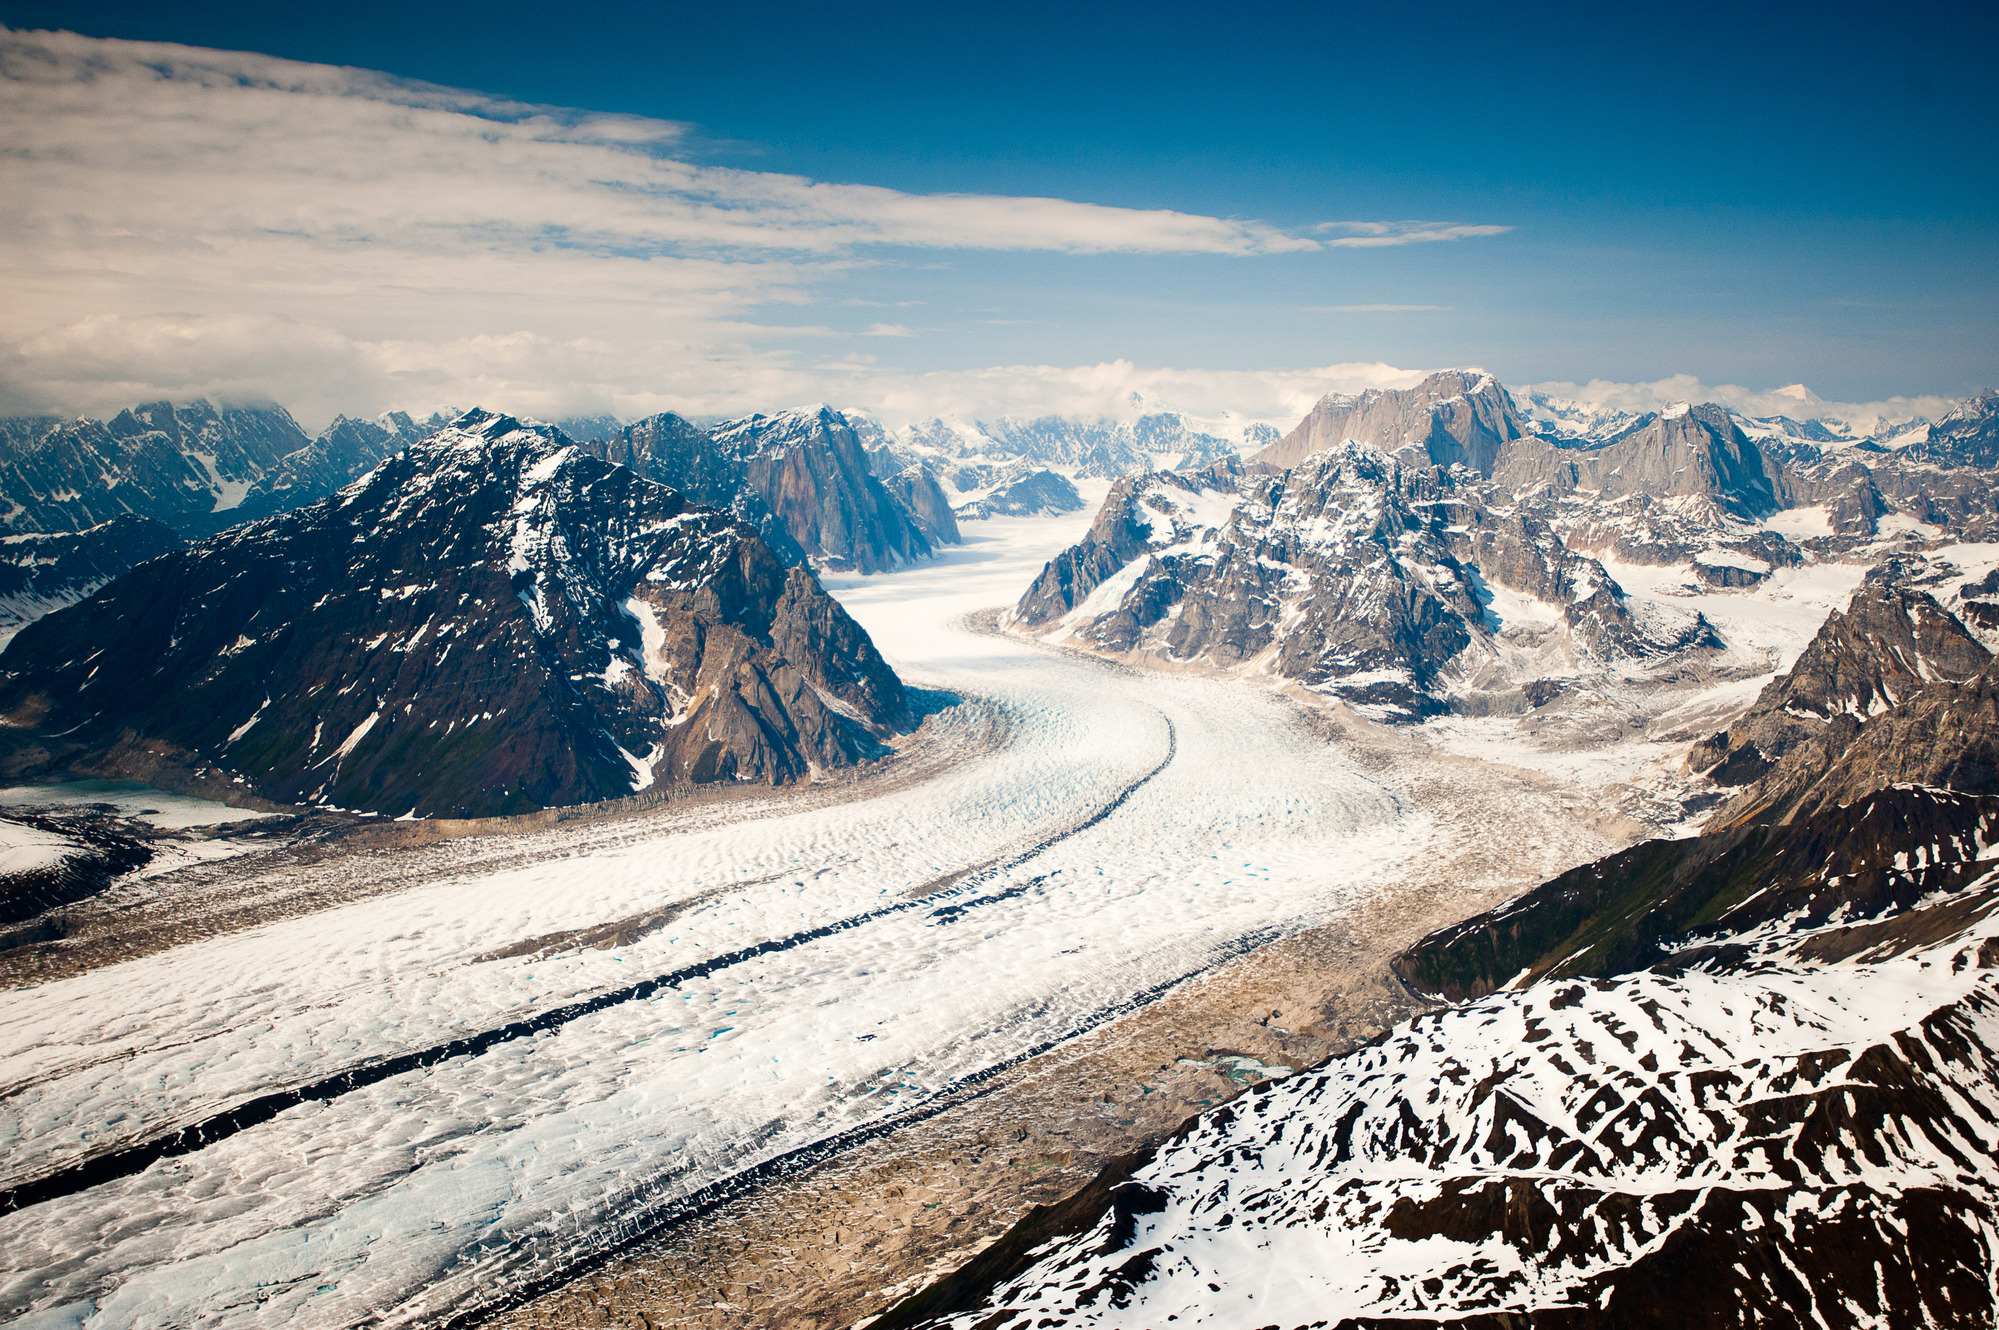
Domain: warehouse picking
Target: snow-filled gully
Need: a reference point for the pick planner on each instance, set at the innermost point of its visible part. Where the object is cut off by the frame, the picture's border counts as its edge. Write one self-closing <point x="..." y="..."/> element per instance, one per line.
<point x="379" y="1113"/>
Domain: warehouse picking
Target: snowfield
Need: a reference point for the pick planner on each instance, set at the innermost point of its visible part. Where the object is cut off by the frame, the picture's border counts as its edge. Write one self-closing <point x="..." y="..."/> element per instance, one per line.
<point x="833" y="967"/>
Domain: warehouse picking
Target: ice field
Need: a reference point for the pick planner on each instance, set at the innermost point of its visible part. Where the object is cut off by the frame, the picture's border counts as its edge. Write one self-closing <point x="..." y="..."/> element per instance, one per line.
<point x="829" y="974"/>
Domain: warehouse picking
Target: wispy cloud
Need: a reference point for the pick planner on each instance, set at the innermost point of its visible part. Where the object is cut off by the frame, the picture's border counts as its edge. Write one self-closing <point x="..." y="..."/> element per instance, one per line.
<point x="1376" y="309"/>
<point x="1375" y="235"/>
<point x="176" y="221"/>
<point x="888" y="330"/>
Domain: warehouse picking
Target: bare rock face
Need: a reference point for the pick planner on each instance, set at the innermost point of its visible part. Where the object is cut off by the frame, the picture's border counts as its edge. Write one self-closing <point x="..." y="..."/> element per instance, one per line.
<point x="1698" y="453"/>
<point x="1457" y="417"/>
<point x="188" y="467"/>
<point x="40" y="573"/>
<point x="917" y="489"/>
<point x="1353" y="573"/>
<point x="1946" y="736"/>
<point x="491" y="621"/>
<point x="810" y="471"/>
<point x="1891" y="642"/>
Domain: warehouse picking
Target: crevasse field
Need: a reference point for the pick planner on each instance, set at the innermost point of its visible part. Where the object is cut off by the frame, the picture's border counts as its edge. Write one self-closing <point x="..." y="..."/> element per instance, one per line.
<point x="1132" y="830"/>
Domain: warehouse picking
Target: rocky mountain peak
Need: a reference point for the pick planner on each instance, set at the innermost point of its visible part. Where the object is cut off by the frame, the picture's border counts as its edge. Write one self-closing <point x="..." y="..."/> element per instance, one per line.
<point x="813" y="475"/>
<point x="1453" y="417"/>
<point x="1383" y="581"/>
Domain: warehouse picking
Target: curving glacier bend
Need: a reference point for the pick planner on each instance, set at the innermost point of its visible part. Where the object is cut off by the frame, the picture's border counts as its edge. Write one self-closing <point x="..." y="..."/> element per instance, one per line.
<point x="1130" y="832"/>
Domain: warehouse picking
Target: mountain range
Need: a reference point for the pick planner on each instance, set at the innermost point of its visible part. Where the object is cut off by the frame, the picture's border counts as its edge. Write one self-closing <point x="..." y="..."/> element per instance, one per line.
<point x="492" y="621"/>
<point x="1420" y="550"/>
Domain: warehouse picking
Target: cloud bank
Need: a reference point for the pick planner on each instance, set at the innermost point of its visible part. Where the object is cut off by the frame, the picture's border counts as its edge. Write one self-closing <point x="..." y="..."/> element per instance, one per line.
<point x="178" y="221"/>
<point x="1794" y="400"/>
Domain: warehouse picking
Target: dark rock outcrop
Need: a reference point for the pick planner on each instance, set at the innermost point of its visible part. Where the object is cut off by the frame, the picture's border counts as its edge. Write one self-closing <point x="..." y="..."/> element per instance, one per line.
<point x="491" y="621"/>
<point x="40" y="573"/>
<point x="1664" y="899"/>
<point x="1891" y="643"/>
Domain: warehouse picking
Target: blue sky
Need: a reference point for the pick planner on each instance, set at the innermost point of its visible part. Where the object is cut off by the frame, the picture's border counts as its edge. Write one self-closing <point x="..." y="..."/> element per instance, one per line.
<point x="1756" y="198"/>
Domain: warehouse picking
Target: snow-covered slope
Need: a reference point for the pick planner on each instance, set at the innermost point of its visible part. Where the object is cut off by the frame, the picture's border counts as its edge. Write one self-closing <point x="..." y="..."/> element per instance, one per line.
<point x="1806" y="1139"/>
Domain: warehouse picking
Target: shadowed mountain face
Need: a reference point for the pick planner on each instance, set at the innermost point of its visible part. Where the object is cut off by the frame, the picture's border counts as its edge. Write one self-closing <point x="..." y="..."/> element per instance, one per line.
<point x="812" y="473"/>
<point x="489" y="622"/>
<point x="40" y="573"/>
<point x="800" y="478"/>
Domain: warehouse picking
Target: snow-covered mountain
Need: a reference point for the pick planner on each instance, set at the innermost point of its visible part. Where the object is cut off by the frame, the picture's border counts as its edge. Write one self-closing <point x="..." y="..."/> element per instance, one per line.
<point x="1015" y="467"/>
<point x="189" y="466"/>
<point x="1439" y="554"/>
<point x="1742" y="1078"/>
<point x="491" y="621"/>
<point x="1088" y="447"/>
<point x="195" y="468"/>
<point x="1352" y="573"/>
